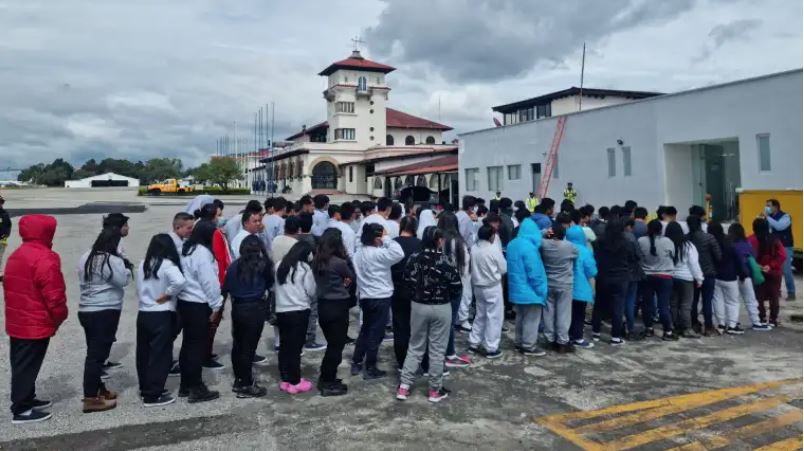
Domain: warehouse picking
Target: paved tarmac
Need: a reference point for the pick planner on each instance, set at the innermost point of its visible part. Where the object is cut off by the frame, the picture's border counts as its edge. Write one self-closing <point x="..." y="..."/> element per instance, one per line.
<point x="604" y="398"/>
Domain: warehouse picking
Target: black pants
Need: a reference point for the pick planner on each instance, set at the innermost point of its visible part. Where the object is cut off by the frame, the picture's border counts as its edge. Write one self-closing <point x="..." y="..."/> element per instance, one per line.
<point x="333" y="317"/>
<point x="26" y="361"/>
<point x="195" y="341"/>
<point x="375" y="317"/>
<point x="154" y="351"/>
<point x="292" y="335"/>
<point x="578" y="317"/>
<point x="100" y="329"/>
<point x="612" y="293"/>
<point x="248" y="320"/>
<point x="400" y="305"/>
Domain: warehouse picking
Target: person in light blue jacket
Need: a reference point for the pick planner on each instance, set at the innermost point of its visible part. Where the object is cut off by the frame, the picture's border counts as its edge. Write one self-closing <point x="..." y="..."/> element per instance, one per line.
<point x="582" y="291"/>
<point x="527" y="285"/>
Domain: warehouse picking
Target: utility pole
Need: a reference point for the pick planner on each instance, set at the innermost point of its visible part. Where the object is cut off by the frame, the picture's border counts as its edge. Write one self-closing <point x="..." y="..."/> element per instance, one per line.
<point x="271" y="148"/>
<point x="583" y="63"/>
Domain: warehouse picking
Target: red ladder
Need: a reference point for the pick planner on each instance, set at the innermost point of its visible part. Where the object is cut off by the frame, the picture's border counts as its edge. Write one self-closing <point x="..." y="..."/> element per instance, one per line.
<point x="550" y="163"/>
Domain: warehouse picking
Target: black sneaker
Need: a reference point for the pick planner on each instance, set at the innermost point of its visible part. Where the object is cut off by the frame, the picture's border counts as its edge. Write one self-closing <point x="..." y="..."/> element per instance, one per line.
<point x="184" y="392"/>
<point x="175" y="369"/>
<point x="41" y="404"/>
<point x="163" y="400"/>
<point x="213" y="365"/>
<point x="373" y="373"/>
<point x="565" y="348"/>
<point x="649" y="333"/>
<point x="356" y="369"/>
<point x="474" y="350"/>
<point x="668" y="336"/>
<point x="31" y="416"/>
<point x="111" y="365"/>
<point x="616" y="342"/>
<point x="252" y="391"/>
<point x="437" y="395"/>
<point x="494" y="354"/>
<point x="202" y="394"/>
<point x="260" y="359"/>
<point x="349" y="340"/>
<point x="736" y="330"/>
<point x="533" y="352"/>
<point x="335" y="388"/>
<point x="313" y="346"/>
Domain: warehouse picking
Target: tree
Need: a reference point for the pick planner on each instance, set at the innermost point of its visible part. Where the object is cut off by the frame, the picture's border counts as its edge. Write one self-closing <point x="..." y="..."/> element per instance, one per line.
<point x="219" y="171"/>
<point x="157" y="169"/>
<point x="53" y="174"/>
<point x="90" y="167"/>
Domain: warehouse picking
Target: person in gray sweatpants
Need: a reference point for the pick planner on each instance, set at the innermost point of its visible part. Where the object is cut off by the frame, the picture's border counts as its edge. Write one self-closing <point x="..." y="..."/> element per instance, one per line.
<point x="559" y="257"/>
<point x="433" y="322"/>
<point x="526" y="329"/>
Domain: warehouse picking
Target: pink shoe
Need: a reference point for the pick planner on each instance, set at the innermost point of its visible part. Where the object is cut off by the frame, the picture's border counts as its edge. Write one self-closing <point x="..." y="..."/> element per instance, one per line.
<point x="303" y="386"/>
<point x="287" y="388"/>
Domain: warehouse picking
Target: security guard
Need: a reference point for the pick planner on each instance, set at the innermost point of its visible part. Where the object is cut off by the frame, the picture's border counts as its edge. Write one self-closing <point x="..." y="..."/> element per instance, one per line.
<point x="570" y="194"/>
<point x="531" y="202"/>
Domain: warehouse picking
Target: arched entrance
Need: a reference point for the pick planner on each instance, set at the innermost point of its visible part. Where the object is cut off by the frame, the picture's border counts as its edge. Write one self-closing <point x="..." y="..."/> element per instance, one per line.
<point x="325" y="176"/>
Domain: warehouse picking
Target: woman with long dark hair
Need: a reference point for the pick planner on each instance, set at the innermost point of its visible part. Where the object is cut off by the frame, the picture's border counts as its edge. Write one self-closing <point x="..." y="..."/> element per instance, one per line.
<point x="200" y="303"/>
<point x="614" y="255"/>
<point x="159" y="280"/>
<point x="248" y="281"/>
<point x="726" y="301"/>
<point x="455" y="248"/>
<point x="771" y="256"/>
<point x="400" y="303"/>
<point x="747" y="256"/>
<point x="103" y="276"/>
<point x="687" y="275"/>
<point x="658" y="265"/>
<point x="295" y="291"/>
<point x="335" y="289"/>
<point x="708" y="256"/>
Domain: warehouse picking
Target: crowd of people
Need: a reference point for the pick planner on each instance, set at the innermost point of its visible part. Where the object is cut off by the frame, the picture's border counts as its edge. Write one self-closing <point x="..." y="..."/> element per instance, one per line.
<point x="418" y="274"/>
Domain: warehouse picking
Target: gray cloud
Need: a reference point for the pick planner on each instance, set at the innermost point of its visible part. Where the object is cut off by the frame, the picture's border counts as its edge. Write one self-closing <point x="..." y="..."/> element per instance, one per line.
<point x="721" y="34"/>
<point x="486" y="40"/>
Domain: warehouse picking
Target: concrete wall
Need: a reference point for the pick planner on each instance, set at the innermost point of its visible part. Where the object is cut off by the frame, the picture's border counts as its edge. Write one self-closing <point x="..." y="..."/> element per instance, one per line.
<point x="419" y="135"/>
<point x="654" y="129"/>
<point x="567" y="105"/>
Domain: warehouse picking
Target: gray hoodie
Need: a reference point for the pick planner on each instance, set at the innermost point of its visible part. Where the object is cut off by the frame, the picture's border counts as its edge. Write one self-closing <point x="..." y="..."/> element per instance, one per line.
<point x="105" y="288"/>
<point x="559" y="257"/>
<point x="660" y="264"/>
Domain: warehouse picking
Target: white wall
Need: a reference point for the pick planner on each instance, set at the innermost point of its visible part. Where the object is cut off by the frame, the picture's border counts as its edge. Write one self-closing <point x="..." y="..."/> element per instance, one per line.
<point x="567" y="105"/>
<point x="419" y="134"/>
<point x="650" y="127"/>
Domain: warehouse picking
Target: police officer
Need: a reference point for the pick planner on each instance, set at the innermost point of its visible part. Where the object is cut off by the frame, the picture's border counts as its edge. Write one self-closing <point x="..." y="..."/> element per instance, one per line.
<point x="569" y="193"/>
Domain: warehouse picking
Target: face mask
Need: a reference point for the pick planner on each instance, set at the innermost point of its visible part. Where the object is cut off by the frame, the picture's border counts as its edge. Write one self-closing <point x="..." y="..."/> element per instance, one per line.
<point x="768" y="210"/>
<point x="221" y="222"/>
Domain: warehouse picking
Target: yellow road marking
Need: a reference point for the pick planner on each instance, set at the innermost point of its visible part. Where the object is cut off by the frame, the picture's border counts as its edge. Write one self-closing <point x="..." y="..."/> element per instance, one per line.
<point x="671" y="430"/>
<point x="572" y="436"/>
<point x="761" y="427"/>
<point x="783" y="445"/>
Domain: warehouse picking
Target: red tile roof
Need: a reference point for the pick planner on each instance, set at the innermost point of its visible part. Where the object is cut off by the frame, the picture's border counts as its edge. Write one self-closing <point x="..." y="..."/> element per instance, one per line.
<point x="357" y="62"/>
<point x="397" y="119"/>
<point x="443" y="164"/>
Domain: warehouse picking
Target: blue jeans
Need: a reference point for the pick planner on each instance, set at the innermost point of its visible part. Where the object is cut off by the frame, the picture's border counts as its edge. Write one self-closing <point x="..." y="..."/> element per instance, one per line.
<point x="662" y="289"/>
<point x="375" y="316"/>
<point x="705" y="294"/>
<point x="630" y="305"/>
<point x="787" y="270"/>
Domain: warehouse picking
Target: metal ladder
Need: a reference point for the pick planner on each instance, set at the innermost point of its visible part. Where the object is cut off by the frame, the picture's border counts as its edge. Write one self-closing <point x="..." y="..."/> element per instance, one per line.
<point x="550" y="163"/>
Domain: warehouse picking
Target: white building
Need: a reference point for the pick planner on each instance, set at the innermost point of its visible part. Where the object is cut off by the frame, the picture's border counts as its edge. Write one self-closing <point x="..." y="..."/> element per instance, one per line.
<point x="361" y="136"/>
<point x="671" y="149"/>
<point x="107" y="180"/>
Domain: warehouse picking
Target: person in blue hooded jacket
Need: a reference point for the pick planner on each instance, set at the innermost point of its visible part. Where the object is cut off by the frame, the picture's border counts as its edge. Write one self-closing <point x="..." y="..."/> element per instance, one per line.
<point x="527" y="285"/>
<point x="582" y="292"/>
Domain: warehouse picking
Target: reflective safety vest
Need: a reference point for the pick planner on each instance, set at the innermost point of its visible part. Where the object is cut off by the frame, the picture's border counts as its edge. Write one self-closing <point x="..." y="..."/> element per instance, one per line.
<point x="570" y="195"/>
<point x="531" y="203"/>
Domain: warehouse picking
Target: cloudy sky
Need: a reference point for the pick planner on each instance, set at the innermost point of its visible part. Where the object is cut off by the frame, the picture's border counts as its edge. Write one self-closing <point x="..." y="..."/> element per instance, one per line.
<point x="137" y="79"/>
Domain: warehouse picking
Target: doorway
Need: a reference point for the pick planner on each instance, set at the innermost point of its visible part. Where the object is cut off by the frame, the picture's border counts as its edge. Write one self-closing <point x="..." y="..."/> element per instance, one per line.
<point x="536" y="177"/>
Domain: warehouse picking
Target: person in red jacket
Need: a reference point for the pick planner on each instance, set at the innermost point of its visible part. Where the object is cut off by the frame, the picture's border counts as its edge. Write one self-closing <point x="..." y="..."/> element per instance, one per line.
<point x="771" y="256"/>
<point x="36" y="305"/>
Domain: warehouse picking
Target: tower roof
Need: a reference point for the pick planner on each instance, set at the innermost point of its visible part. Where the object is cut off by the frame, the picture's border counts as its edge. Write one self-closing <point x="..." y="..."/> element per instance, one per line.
<point x="357" y="62"/>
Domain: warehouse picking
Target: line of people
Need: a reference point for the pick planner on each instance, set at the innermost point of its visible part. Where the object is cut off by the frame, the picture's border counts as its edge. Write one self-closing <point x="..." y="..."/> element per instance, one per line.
<point x="416" y="272"/>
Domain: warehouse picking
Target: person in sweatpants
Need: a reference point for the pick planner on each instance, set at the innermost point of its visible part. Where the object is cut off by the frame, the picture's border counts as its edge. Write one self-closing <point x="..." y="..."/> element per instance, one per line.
<point x="159" y="280"/>
<point x="434" y="279"/>
<point x="488" y="267"/>
<point x="726" y="301"/>
<point x="527" y="285"/>
<point x="36" y="305"/>
<point x="744" y="253"/>
<point x="559" y="258"/>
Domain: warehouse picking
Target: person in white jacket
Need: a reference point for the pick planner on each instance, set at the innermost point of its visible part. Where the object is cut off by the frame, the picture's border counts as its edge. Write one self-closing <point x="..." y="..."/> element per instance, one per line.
<point x="159" y="280"/>
<point x="488" y="267"/>
<point x="372" y="262"/>
<point x="295" y="291"/>
<point x="200" y="303"/>
<point x="687" y="275"/>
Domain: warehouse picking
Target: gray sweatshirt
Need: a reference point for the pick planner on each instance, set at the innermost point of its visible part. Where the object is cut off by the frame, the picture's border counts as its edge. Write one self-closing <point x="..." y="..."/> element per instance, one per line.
<point x="559" y="257"/>
<point x="105" y="288"/>
<point x="660" y="264"/>
<point x="373" y="268"/>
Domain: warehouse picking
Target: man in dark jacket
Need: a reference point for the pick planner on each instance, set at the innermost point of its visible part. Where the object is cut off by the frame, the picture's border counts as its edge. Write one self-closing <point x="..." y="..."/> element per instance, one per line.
<point x="781" y="226"/>
<point x="5" y="232"/>
<point x="709" y="256"/>
<point x="36" y="305"/>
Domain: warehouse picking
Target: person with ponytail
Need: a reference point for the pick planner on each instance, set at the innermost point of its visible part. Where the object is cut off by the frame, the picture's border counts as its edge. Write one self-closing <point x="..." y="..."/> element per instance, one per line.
<point x="103" y="276"/>
<point x="200" y="303"/>
<point x="159" y="280"/>
<point x="614" y="255"/>
<point x="456" y="248"/>
<point x="747" y="257"/>
<point x="687" y="275"/>
<point x="658" y="265"/>
<point x="771" y="256"/>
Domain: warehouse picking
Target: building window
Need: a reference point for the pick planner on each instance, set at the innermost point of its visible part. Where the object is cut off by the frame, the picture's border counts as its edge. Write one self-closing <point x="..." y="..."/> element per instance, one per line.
<point x="514" y="172"/>
<point x="472" y="176"/>
<point x="495" y="174"/>
<point x="389" y="140"/>
<point x="626" y="161"/>
<point x="526" y="114"/>
<point x="371" y="111"/>
<point x="430" y="140"/>
<point x="325" y="176"/>
<point x="351" y="174"/>
<point x="510" y="118"/>
<point x="409" y="141"/>
<point x="371" y="129"/>
<point x="543" y="111"/>
<point x="362" y="84"/>
<point x="347" y="134"/>
<point x="763" y="148"/>
<point x="344" y="107"/>
<point x="612" y="162"/>
<point x="371" y="138"/>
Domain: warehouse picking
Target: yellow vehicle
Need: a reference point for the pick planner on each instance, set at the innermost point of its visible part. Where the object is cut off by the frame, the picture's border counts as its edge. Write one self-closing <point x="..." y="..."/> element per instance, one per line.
<point x="752" y="202"/>
<point x="169" y="186"/>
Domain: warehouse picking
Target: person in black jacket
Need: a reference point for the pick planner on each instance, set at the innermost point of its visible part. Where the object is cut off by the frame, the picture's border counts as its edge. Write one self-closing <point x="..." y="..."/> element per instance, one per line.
<point x="5" y="232"/>
<point x="709" y="256"/>
<point x="400" y="302"/>
<point x="615" y="256"/>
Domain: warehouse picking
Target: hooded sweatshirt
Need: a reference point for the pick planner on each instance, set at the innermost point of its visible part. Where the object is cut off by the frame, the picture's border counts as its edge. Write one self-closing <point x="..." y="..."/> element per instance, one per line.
<point x="201" y="272"/>
<point x="373" y="268"/>
<point x="585" y="266"/>
<point x="104" y="289"/>
<point x="426" y="219"/>
<point x="527" y="280"/>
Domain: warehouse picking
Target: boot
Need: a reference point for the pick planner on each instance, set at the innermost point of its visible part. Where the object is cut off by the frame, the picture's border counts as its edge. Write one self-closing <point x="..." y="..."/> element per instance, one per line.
<point x="98" y="404"/>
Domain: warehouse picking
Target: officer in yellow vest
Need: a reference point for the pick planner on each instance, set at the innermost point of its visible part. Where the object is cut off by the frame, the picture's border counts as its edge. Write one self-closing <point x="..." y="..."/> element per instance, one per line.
<point x="569" y="193"/>
<point x="531" y="202"/>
